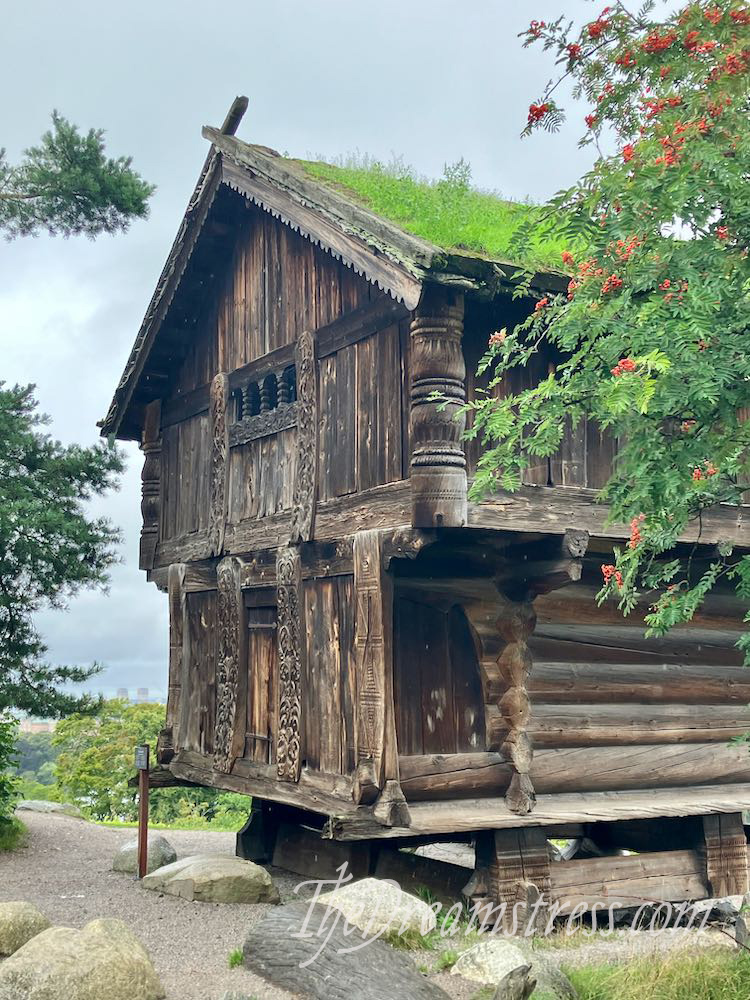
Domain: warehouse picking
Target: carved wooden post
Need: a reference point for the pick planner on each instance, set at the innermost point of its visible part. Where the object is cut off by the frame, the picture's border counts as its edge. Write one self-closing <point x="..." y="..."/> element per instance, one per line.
<point x="438" y="462"/>
<point x="726" y="854"/>
<point x="150" y="484"/>
<point x="217" y="514"/>
<point x="516" y="623"/>
<point x="306" y="475"/>
<point x="291" y="648"/>
<point x="176" y="593"/>
<point x="229" y="738"/>
<point x="377" y="749"/>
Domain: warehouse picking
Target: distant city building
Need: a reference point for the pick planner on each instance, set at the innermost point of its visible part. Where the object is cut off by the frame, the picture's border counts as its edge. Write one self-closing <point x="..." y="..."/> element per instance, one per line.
<point x="122" y="693"/>
<point x="141" y="695"/>
<point x="37" y="725"/>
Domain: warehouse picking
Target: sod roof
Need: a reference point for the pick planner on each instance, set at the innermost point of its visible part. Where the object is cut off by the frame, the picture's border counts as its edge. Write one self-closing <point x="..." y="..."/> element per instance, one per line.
<point x="447" y="212"/>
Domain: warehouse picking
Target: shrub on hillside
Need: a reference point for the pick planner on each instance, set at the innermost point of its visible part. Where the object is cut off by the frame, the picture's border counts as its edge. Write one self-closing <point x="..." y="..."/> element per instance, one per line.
<point x="8" y="791"/>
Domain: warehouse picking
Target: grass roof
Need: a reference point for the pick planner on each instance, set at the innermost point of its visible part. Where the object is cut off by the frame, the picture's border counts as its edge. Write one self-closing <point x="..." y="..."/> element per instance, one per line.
<point x="448" y="212"/>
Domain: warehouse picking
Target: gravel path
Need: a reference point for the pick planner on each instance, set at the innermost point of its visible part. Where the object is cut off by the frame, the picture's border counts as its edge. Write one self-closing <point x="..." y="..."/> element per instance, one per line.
<point x="64" y="869"/>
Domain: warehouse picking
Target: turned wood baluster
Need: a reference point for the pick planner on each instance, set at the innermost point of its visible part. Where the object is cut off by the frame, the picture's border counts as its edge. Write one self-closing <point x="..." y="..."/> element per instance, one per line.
<point x="247" y="402"/>
<point x="516" y="623"/>
<point x="282" y="389"/>
<point x="150" y="484"/>
<point x="438" y="463"/>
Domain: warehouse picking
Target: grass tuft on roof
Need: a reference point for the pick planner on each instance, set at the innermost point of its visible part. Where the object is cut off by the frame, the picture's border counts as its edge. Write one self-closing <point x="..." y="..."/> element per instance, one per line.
<point x="448" y="212"/>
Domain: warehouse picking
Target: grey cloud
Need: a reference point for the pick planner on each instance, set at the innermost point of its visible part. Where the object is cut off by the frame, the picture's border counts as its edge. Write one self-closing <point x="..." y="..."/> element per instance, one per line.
<point x="427" y="79"/>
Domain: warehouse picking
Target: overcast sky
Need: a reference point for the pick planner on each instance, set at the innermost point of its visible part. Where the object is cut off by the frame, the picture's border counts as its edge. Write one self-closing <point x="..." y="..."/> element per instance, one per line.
<point x="430" y="80"/>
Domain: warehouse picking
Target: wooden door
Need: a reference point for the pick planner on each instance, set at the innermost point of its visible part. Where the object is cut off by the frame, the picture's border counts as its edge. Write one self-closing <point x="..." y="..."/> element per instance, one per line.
<point x="260" y="736"/>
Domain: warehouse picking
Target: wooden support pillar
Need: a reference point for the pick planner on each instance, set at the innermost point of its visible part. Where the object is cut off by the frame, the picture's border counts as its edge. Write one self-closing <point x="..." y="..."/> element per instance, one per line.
<point x="512" y="868"/>
<point x="231" y="673"/>
<point x="257" y="838"/>
<point x="377" y="750"/>
<point x="150" y="484"/>
<point x="306" y="472"/>
<point x="169" y="737"/>
<point x="726" y="854"/>
<point x="438" y="462"/>
<point x="217" y="513"/>
<point x="516" y="623"/>
<point x="291" y="659"/>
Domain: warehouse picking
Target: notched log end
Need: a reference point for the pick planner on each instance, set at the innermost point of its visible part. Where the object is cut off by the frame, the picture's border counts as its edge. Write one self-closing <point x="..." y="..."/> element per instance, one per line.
<point x="520" y="797"/>
<point x="391" y="808"/>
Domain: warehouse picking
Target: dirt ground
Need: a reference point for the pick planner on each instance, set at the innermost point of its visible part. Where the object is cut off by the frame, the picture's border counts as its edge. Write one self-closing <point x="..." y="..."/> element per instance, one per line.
<point x="65" y="869"/>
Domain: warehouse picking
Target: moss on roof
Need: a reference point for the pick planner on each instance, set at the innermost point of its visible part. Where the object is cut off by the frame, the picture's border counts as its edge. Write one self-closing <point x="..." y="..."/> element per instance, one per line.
<point x="449" y="212"/>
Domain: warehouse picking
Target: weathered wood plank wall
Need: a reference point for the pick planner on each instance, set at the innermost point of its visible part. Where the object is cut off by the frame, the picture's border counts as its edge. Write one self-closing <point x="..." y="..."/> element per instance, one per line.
<point x="278" y="285"/>
<point x="329" y="684"/>
<point x="585" y="455"/>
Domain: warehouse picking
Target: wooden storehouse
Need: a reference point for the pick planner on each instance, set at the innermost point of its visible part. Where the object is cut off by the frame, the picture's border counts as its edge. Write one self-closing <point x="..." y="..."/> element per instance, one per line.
<point x="355" y="645"/>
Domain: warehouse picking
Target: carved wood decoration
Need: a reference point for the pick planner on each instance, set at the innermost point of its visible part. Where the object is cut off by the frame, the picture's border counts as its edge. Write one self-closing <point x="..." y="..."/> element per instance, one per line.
<point x="515" y="624"/>
<point x="306" y="475"/>
<point x="150" y="484"/>
<point x="438" y="462"/>
<point x="176" y="592"/>
<point x="291" y="649"/>
<point x="375" y="724"/>
<point x="726" y="854"/>
<point x="217" y="514"/>
<point x="229" y="735"/>
<point x="263" y="424"/>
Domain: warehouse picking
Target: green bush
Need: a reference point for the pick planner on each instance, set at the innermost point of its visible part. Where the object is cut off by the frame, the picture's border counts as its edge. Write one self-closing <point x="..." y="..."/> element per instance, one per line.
<point x="8" y="782"/>
<point x="95" y="764"/>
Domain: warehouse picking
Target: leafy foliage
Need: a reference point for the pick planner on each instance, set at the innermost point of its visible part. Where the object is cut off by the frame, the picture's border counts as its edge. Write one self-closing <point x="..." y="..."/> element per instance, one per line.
<point x="8" y="729"/>
<point x="67" y="185"/>
<point x="652" y="331"/>
<point x="49" y="547"/>
<point x="95" y="763"/>
<point x="36" y="756"/>
<point x="448" y="212"/>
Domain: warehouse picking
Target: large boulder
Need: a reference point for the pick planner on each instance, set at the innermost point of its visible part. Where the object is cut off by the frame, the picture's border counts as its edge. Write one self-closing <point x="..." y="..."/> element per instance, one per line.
<point x="307" y="950"/>
<point x="105" y="959"/>
<point x="50" y="808"/>
<point x="491" y="961"/>
<point x="376" y="905"/>
<point x="160" y="853"/>
<point x="214" y="878"/>
<point x="19" y="923"/>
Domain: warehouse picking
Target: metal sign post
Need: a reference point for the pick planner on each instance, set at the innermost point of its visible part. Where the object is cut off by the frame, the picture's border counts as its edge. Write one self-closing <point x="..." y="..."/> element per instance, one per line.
<point x="142" y="764"/>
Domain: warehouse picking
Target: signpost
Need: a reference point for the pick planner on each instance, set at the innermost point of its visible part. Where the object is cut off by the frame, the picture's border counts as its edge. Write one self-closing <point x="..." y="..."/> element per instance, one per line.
<point x="142" y="764"/>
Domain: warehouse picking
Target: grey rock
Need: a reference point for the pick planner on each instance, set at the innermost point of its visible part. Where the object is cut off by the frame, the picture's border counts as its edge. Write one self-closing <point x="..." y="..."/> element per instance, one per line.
<point x="160" y="853"/>
<point x="721" y="907"/>
<point x="49" y="808"/>
<point x="516" y="985"/>
<point x="742" y="930"/>
<point x="105" y="959"/>
<point x="493" y="959"/>
<point x="275" y="949"/>
<point x="375" y="905"/>
<point x="214" y="878"/>
<point x="19" y="923"/>
<point x="489" y="961"/>
<point x="550" y="979"/>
